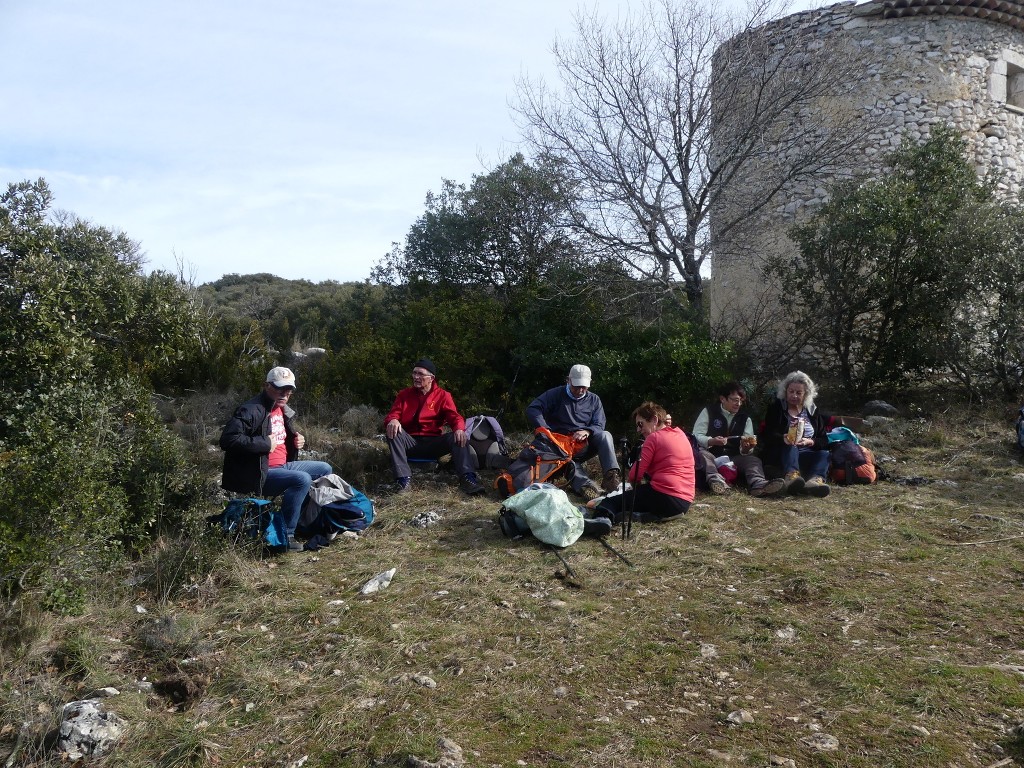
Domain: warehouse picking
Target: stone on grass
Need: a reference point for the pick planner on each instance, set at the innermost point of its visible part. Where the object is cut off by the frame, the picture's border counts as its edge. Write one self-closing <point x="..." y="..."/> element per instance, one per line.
<point x="104" y="693"/>
<point x="879" y="408"/>
<point x="425" y="519"/>
<point x="88" y="730"/>
<point x="451" y="756"/>
<point x="740" y="717"/>
<point x="378" y="582"/>
<point x="823" y="742"/>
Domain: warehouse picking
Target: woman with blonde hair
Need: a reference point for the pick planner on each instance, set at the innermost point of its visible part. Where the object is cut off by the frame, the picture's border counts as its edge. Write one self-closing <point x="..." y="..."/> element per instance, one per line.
<point x="663" y="478"/>
<point x="795" y="436"/>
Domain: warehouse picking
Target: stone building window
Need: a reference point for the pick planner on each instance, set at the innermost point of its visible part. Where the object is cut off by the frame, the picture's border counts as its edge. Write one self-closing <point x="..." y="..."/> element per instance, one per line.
<point x="1006" y="81"/>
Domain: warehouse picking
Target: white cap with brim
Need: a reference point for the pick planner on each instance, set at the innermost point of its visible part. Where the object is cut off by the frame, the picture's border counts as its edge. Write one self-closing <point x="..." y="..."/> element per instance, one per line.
<point x="579" y="376"/>
<point x="281" y="377"/>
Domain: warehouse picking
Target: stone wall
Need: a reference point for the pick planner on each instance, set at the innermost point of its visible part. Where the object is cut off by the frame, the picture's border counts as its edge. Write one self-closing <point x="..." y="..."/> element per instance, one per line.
<point x="909" y="73"/>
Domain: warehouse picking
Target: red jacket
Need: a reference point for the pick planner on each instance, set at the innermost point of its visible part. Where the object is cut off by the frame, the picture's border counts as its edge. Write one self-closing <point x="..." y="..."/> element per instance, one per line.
<point x="422" y="415"/>
<point x="667" y="459"/>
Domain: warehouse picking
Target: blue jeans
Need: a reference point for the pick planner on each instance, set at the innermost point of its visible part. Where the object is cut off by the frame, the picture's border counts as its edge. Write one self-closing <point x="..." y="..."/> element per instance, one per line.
<point x="809" y="462"/>
<point x="292" y="482"/>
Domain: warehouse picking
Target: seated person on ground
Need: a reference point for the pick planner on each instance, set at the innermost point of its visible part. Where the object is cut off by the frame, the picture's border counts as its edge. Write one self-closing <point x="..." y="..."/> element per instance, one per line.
<point x="662" y="478"/>
<point x="725" y="429"/>
<point x="572" y="409"/>
<point x="414" y="425"/>
<point x="261" y="448"/>
<point x="795" y="436"/>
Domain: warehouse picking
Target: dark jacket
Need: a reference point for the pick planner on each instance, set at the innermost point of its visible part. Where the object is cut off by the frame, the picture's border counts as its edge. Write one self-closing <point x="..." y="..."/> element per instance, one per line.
<point x="558" y="412"/>
<point x="776" y="425"/>
<point x="719" y="426"/>
<point x="245" y="440"/>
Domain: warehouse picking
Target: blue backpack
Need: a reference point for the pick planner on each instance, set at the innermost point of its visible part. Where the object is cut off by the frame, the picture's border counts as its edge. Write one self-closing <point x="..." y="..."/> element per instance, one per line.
<point x="252" y="520"/>
<point x="356" y="514"/>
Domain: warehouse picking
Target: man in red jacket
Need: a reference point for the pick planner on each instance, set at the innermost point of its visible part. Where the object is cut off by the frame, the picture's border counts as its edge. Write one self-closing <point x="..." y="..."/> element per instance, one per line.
<point x="414" y="429"/>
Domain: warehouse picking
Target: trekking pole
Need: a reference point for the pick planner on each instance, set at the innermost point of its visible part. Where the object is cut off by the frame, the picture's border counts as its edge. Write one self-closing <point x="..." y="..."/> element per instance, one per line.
<point x="632" y="507"/>
<point x="615" y="552"/>
<point x="569" y="572"/>
<point x="625" y="474"/>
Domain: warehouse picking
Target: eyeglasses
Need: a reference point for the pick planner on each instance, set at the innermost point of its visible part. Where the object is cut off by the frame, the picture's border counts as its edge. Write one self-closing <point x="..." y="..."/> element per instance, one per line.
<point x="420" y="374"/>
<point x="735" y="399"/>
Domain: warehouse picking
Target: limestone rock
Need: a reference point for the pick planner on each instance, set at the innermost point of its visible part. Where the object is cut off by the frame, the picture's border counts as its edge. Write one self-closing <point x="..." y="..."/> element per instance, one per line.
<point x="88" y="730"/>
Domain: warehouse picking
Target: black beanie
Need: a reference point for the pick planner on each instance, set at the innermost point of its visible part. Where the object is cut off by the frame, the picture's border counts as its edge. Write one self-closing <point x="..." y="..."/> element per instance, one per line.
<point x="426" y="364"/>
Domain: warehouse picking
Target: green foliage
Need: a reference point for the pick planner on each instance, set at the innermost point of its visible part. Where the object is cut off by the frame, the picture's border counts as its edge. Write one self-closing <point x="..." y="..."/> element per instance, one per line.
<point x="87" y="467"/>
<point x="886" y="265"/>
<point x="987" y="345"/>
<point x="507" y="230"/>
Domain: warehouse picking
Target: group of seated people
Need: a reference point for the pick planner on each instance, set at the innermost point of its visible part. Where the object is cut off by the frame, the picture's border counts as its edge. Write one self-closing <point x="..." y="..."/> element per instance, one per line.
<point x="261" y="444"/>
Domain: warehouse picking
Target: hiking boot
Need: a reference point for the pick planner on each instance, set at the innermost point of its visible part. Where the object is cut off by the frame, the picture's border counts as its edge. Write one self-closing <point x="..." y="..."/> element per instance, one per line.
<point x="403" y="485"/>
<point x="470" y="485"/>
<point x="718" y="486"/>
<point x="295" y="546"/>
<point x="612" y="481"/>
<point x="817" y="487"/>
<point x="794" y="483"/>
<point x="773" y="488"/>
<point x="591" y="491"/>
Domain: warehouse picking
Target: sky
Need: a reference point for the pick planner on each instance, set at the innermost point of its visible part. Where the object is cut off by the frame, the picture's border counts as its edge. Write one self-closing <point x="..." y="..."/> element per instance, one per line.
<point x="298" y="138"/>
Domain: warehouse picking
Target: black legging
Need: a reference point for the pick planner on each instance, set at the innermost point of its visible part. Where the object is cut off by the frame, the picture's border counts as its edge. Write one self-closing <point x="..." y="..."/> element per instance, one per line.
<point x="650" y="505"/>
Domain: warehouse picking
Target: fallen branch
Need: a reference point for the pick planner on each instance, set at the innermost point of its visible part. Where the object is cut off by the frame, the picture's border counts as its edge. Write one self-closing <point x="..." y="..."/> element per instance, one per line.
<point x="976" y="543"/>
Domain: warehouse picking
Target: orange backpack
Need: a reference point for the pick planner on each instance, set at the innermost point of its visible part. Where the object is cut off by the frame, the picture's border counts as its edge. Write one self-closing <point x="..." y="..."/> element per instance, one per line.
<point x="852" y="464"/>
<point x="547" y="457"/>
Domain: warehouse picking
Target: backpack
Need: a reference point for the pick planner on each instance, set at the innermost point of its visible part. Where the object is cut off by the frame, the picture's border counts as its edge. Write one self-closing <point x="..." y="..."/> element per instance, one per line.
<point x="334" y="506"/>
<point x="488" y="443"/>
<point x="252" y="520"/>
<point x="356" y="514"/>
<point x="543" y="511"/>
<point x="546" y="458"/>
<point x="1020" y="429"/>
<point x="852" y="463"/>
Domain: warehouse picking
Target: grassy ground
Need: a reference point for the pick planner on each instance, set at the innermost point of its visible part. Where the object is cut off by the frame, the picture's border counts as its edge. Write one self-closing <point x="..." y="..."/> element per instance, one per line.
<point x="878" y="627"/>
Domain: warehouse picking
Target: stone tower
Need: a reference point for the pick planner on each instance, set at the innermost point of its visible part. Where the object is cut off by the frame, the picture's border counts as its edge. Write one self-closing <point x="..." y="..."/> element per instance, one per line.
<point x="913" y="63"/>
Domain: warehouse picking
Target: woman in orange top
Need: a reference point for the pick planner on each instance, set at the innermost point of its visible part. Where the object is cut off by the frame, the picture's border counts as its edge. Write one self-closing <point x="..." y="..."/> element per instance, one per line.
<point x="663" y="478"/>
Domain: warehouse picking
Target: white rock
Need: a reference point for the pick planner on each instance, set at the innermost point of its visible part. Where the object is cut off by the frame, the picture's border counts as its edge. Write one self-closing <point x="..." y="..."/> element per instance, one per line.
<point x="823" y="742"/>
<point x="88" y="730"/>
<point x="740" y="717"/>
<point x="378" y="582"/>
<point x="140" y="609"/>
<point x="786" y="633"/>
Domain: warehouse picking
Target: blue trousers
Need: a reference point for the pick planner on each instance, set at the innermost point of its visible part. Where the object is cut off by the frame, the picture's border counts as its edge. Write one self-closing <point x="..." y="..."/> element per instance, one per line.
<point x="292" y="482"/>
<point x="808" y="461"/>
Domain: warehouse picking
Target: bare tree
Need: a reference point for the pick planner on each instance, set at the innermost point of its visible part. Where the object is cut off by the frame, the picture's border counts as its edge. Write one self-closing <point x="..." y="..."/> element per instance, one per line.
<point x="660" y="114"/>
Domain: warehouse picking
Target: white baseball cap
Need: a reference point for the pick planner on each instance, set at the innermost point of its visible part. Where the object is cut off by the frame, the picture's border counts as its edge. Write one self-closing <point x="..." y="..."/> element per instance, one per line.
<point x="281" y="378"/>
<point x="579" y="376"/>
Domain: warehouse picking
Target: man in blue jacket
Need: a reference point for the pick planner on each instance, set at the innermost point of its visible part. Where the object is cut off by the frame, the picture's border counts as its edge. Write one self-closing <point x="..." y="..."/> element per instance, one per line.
<point x="572" y="409"/>
<point x="261" y="450"/>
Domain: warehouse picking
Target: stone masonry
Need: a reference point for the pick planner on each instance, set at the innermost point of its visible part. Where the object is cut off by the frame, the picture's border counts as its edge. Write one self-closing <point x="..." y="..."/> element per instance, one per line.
<point x="916" y="63"/>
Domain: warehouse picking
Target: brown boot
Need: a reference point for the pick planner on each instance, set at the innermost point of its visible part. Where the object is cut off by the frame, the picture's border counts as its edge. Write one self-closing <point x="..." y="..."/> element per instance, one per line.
<point x="612" y="481"/>
<point x="817" y="486"/>
<point x="794" y="483"/>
